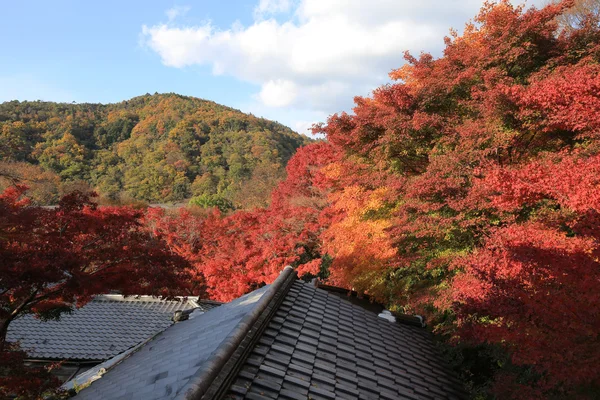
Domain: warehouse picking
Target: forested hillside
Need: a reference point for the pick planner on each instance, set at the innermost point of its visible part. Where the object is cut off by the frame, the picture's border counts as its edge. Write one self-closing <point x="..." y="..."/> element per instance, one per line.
<point x="154" y="148"/>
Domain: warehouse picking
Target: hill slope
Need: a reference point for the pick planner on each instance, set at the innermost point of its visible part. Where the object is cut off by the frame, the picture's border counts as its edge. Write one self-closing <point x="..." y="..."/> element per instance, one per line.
<point x="162" y="147"/>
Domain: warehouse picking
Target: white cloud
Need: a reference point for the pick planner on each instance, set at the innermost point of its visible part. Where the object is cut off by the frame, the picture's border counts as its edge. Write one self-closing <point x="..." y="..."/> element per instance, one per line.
<point x="271" y="7"/>
<point x="322" y="54"/>
<point x="177" y="11"/>
<point x="278" y="93"/>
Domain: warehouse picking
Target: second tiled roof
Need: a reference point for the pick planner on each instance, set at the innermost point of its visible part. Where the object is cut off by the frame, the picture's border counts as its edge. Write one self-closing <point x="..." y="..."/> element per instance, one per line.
<point x="103" y="328"/>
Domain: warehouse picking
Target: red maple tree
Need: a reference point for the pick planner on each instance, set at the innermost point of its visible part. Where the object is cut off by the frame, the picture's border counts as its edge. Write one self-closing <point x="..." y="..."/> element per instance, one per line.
<point x="489" y="200"/>
<point x="56" y="259"/>
<point x="236" y="253"/>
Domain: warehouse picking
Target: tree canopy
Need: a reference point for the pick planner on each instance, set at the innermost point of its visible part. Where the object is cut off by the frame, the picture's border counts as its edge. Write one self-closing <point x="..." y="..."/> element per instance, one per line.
<point x="154" y="148"/>
<point x="467" y="190"/>
<point x="57" y="259"/>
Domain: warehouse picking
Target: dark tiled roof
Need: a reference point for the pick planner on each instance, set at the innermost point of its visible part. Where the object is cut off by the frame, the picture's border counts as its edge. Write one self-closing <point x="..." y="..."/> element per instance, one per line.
<point x="161" y="368"/>
<point x="321" y="346"/>
<point x="295" y="342"/>
<point x="103" y="328"/>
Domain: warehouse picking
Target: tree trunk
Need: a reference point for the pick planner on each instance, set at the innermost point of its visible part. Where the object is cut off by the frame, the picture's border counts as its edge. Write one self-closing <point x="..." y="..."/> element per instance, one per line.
<point x="3" y="331"/>
<point x="25" y="305"/>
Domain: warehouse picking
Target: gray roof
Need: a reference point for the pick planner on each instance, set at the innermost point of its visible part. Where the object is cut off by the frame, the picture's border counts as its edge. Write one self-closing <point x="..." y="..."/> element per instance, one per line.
<point x="161" y="368"/>
<point x="321" y="346"/>
<point x="288" y="340"/>
<point x="103" y="328"/>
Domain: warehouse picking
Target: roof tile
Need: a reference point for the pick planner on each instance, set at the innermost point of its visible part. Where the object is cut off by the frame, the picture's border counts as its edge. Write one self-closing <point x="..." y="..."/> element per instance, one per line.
<point x="345" y="351"/>
<point x="103" y="328"/>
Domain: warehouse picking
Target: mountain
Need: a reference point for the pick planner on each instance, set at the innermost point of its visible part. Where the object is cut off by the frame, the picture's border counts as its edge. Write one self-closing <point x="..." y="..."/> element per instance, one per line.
<point x="153" y="148"/>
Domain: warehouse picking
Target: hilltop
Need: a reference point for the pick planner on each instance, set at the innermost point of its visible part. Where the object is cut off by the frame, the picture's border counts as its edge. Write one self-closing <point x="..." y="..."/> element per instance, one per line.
<point x="154" y="148"/>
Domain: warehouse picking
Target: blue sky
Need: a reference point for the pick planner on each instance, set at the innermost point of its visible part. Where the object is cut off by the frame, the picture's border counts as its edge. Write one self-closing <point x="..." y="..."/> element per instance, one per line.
<point x="295" y="61"/>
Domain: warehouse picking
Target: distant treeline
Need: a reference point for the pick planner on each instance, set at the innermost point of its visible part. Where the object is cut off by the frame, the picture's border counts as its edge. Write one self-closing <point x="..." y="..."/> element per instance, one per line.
<point x="152" y="148"/>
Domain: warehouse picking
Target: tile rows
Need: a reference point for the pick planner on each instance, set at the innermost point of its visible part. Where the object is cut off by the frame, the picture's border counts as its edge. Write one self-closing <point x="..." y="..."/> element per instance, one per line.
<point x="162" y="367"/>
<point x="97" y="331"/>
<point x="320" y="346"/>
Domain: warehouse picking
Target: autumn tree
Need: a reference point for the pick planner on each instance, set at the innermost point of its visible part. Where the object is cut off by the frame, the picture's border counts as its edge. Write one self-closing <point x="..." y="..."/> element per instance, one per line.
<point x="25" y="381"/>
<point x="462" y="194"/>
<point x="44" y="186"/>
<point x="238" y="252"/>
<point x="54" y="260"/>
<point x="532" y="284"/>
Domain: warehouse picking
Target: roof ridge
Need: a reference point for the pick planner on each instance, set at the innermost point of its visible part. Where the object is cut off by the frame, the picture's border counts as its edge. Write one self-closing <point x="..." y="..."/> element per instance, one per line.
<point x="203" y="379"/>
<point x="143" y="297"/>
